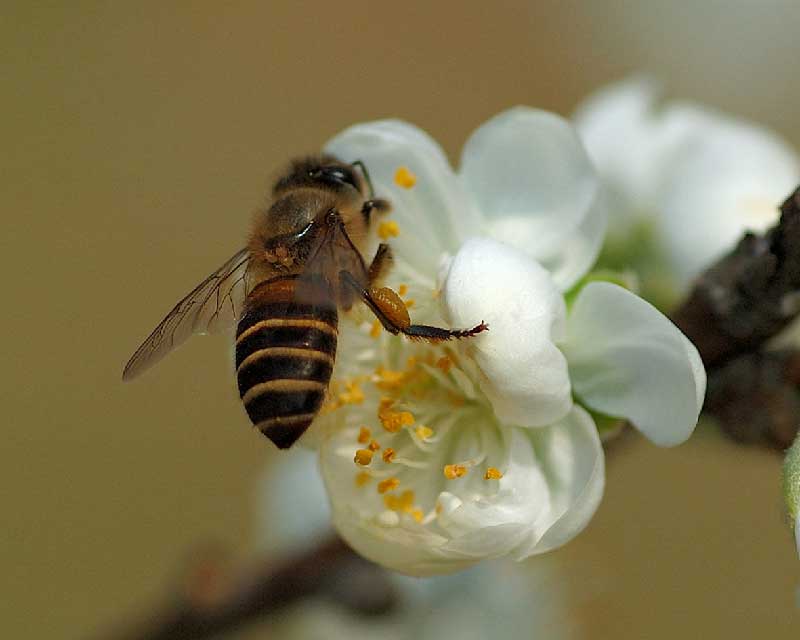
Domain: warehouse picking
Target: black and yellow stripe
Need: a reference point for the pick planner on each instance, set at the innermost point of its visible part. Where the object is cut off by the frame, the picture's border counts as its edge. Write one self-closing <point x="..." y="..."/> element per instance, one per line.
<point x="285" y="350"/>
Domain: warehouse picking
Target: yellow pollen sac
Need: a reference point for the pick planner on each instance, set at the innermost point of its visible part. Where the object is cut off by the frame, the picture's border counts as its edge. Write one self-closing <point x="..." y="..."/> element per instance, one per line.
<point x="444" y="363"/>
<point x="404" y="178"/>
<point x="453" y="471"/>
<point x="352" y="394"/>
<point x="375" y="330"/>
<point x="493" y="474"/>
<point x="403" y="502"/>
<point x="390" y="484"/>
<point x="423" y="432"/>
<point x="402" y="290"/>
<point x="393" y="421"/>
<point x="363" y="457"/>
<point x="409" y="303"/>
<point x="374" y="446"/>
<point x="362" y="478"/>
<point x="389" y="379"/>
<point x="388" y="229"/>
<point x="388" y="454"/>
<point x="364" y="435"/>
<point x="417" y="514"/>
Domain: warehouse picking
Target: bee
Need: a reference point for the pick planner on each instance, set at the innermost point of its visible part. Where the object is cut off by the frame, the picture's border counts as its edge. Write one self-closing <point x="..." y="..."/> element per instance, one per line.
<point x="303" y="262"/>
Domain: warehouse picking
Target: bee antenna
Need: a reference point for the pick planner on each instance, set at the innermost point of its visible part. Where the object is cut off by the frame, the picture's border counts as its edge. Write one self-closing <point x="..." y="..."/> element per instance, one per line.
<point x="363" y="167"/>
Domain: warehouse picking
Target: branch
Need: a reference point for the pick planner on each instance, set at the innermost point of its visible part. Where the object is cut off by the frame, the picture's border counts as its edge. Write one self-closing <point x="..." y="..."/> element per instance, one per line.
<point x="214" y="601"/>
<point x="736" y="306"/>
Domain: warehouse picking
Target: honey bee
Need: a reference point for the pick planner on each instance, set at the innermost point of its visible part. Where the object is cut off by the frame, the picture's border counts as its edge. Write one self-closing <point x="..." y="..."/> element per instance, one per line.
<point x="303" y="263"/>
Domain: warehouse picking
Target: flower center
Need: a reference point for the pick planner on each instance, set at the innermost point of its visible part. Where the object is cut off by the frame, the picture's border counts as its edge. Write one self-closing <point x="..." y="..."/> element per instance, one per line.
<point x="419" y="433"/>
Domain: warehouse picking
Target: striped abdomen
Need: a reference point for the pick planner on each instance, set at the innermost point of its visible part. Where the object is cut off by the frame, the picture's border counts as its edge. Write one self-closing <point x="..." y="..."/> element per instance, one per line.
<point x="284" y="358"/>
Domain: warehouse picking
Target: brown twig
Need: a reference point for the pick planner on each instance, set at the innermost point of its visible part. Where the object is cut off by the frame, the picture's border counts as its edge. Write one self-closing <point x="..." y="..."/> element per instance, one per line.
<point x="735" y="307"/>
<point x="215" y="601"/>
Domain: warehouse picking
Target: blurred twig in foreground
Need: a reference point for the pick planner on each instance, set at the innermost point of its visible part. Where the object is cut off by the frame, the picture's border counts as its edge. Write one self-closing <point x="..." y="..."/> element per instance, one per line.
<point x="216" y="601"/>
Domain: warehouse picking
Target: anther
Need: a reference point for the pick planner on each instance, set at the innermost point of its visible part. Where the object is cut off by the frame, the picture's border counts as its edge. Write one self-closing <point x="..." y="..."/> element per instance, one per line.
<point x="453" y="471"/>
<point x="493" y="474"/>
<point x="390" y="484"/>
<point x="388" y="454"/>
<point x="388" y="229"/>
<point x="404" y="178"/>
<point x="364" y="435"/>
<point x="363" y="457"/>
<point x="374" y="446"/>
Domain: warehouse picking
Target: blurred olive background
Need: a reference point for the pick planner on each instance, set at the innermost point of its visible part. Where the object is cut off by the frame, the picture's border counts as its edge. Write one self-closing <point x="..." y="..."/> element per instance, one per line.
<point x="137" y="140"/>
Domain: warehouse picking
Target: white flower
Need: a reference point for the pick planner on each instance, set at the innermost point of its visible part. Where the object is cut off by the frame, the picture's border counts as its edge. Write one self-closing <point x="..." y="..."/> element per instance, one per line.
<point x="791" y="488"/>
<point x="703" y="177"/>
<point x="478" y="449"/>
<point x="429" y="608"/>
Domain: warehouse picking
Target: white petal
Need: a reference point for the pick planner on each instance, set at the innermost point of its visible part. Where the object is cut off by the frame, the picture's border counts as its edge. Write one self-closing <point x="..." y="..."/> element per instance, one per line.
<point x="524" y="374"/>
<point x="531" y="178"/>
<point x="434" y="215"/>
<point x="627" y="360"/>
<point x="292" y="505"/>
<point x="572" y="459"/>
<point x="728" y="177"/>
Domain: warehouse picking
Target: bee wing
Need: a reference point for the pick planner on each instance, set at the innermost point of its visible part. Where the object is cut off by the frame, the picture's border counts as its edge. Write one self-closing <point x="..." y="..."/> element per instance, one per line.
<point x="212" y="306"/>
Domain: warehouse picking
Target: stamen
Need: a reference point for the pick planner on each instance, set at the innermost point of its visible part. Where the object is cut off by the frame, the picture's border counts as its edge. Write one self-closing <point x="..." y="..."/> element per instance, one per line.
<point x="374" y="446"/>
<point x="453" y="471"/>
<point x="388" y="454"/>
<point x="363" y="457"/>
<point x="364" y="435"/>
<point x="404" y="178"/>
<point x="423" y="432"/>
<point x="444" y="363"/>
<point x="353" y="393"/>
<point x="362" y="478"/>
<point x="402" y="289"/>
<point x="375" y="330"/>
<point x="393" y="421"/>
<point x="409" y="303"/>
<point x="390" y="484"/>
<point x="493" y="474"/>
<point x="388" y="229"/>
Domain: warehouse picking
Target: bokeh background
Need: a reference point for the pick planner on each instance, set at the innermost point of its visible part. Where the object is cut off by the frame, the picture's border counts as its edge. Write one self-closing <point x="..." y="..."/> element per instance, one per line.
<point x="137" y="139"/>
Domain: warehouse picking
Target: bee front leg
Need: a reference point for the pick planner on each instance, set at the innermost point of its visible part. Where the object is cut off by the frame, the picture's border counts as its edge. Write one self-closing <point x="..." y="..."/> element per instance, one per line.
<point x="391" y="312"/>
<point x="381" y="263"/>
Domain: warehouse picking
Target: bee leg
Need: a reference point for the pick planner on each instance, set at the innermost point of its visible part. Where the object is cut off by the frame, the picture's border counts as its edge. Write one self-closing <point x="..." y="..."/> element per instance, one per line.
<point x="380" y="264"/>
<point x="378" y="205"/>
<point x="391" y="312"/>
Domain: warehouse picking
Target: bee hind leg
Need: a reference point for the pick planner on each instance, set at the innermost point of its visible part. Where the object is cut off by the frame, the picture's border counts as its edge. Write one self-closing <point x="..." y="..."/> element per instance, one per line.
<point x="391" y="312"/>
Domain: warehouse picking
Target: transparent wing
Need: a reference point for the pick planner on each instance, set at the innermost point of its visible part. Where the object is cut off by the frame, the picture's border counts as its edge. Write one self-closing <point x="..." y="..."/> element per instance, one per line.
<point x="212" y="306"/>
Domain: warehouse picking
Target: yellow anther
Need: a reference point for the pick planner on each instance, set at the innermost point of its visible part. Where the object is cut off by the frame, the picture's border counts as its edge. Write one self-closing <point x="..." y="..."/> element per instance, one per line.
<point x="493" y="474"/>
<point x="374" y="446"/>
<point x="417" y="514"/>
<point x="363" y="457"/>
<point x="388" y="454"/>
<point x="453" y="471"/>
<point x="389" y="379"/>
<point x="390" y="484"/>
<point x="393" y="421"/>
<point x="423" y="432"/>
<point x="402" y="290"/>
<point x="409" y="303"/>
<point x="364" y="434"/>
<point x="352" y="394"/>
<point x="375" y="330"/>
<point x="404" y="178"/>
<point x="388" y="229"/>
<point x="362" y="478"/>
<point x="444" y="363"/>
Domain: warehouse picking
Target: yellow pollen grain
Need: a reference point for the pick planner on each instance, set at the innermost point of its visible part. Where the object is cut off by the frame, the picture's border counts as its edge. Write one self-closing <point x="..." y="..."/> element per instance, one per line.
<point x="393" y="421"/>
<point x="362" y="478"/>
<point x="388" y="454"/>
<point x="375" y="330"/>
<point x="374" y="446"/>
<point x="390" y="484"/>
<point x="388" y="229"/>
<point x="423" y="432"/>
<point x="493" y="474"/>
<point x="352" y="394"/>
<point x="364" y="435"/>
<point x="453" y="471"/>
<point x="363" y="457"/>
<point x="404" y="178"/>
<point x="402" y="290"/>
<point x="409" y="303"/>
<point x="444" y="363"/>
